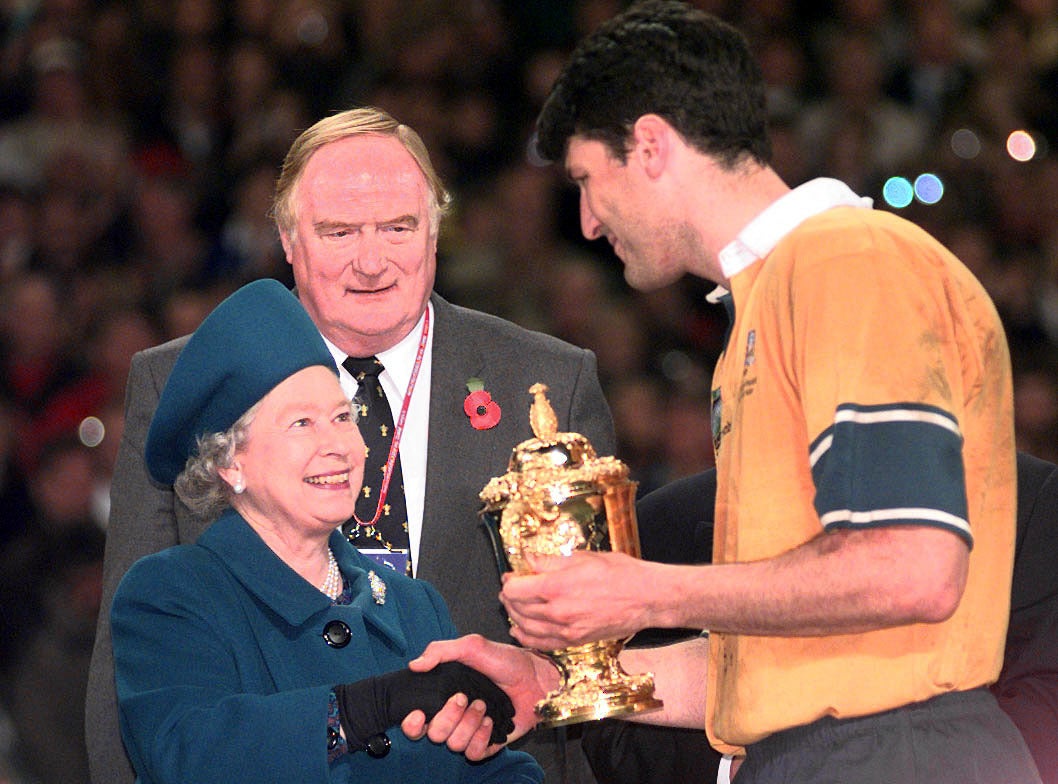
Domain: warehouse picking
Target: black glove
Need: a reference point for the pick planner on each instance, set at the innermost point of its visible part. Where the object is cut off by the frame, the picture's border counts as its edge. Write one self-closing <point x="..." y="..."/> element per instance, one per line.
<point x="373" y="705"/>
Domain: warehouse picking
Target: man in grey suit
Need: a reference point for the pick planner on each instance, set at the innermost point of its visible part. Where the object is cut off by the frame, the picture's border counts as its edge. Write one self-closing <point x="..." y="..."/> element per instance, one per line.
<point x="358" y="207"/>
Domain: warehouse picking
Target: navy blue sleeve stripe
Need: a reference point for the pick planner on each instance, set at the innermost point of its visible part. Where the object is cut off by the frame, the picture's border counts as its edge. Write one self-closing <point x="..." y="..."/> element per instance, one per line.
<point x="902" y="412"/>
<point x="891" y="465"/>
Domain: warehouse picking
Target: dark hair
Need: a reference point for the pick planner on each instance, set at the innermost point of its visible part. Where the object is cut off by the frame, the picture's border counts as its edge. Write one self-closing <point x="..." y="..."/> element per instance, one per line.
<point x="665" y="58"/>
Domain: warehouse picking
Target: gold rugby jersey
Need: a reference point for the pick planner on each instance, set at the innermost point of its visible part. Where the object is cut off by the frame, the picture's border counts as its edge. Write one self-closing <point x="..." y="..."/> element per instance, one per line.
<point x="866" y="382"/>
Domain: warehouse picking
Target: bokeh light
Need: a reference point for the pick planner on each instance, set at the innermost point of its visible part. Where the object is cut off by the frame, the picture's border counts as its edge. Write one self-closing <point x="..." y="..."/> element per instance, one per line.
<point x="91" y="431"/>
<point x="312" y="29"/>
<point x="898" y="192"/>
<point x="1021" y="146"/>
<point x="965" y="144"/>
<point x="928" y="188"/>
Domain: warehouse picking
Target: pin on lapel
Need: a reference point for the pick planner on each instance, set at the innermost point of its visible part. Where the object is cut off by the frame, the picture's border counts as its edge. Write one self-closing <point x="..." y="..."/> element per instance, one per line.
<point x="378" y="587"/>
<point x="484" y="412"/>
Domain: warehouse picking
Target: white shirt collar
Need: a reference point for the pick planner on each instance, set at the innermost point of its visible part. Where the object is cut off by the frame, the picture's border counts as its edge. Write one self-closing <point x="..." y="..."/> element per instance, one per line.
<point x="763" y="233"/>
<point x="399" y="360"/>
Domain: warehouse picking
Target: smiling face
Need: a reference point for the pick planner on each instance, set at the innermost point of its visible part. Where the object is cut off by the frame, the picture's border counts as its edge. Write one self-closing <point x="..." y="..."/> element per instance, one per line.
<point x="617" y="202"/>
<point x="303" y="460"/>
<point x="363" y="247"/>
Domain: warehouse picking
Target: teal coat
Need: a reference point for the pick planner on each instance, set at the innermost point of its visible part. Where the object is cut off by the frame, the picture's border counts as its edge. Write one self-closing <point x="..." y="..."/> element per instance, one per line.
<point x="223" y="673"/>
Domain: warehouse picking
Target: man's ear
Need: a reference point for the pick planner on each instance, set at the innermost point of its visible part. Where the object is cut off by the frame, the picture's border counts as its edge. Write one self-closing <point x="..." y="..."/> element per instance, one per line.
<point x="288" y="245"/>
<point x="652" y="139"/>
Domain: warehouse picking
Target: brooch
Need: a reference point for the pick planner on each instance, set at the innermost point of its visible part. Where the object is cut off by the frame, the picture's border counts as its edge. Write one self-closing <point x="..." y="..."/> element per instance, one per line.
<point x="378" y="587"/>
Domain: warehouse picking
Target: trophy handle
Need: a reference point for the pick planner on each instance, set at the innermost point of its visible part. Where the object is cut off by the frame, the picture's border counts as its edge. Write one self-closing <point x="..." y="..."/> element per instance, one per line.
<point x="490" y="521"/>
<point x="620" y="504"/>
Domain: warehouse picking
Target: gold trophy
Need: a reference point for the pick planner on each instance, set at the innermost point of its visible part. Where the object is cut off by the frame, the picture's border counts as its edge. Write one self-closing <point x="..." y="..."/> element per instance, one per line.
<point x="558" y="497"/>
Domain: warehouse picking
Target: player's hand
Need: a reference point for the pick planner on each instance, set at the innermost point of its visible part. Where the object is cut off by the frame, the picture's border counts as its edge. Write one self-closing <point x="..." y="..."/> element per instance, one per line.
<point x="575" y="599"/>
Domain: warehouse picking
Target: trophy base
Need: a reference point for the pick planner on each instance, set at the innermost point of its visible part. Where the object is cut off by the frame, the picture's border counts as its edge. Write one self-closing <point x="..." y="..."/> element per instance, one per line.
<point x="595" y="687"/>
<point x="552" y="714"/>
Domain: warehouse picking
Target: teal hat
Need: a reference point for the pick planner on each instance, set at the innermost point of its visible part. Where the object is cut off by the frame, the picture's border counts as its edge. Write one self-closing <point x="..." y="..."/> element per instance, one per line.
<point x="253" y="340"/>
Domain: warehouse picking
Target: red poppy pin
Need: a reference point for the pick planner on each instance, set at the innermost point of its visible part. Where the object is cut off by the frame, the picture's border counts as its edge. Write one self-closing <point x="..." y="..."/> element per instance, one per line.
<point x="484" y="412"/>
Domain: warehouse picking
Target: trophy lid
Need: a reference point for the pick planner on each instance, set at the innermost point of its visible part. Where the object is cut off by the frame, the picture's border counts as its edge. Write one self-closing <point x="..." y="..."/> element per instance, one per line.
<point x="549" y="449"/>
<point x="551" y="457"/>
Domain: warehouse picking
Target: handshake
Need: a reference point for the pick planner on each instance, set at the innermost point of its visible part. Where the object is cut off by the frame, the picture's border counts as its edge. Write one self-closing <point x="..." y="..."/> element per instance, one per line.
<point x="367" y="708"/>
<point x="507" y="680"/>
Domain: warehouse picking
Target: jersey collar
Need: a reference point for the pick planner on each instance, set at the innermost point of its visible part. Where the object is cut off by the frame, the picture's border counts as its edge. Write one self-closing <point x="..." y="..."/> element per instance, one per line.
<point x="763" y="233"/>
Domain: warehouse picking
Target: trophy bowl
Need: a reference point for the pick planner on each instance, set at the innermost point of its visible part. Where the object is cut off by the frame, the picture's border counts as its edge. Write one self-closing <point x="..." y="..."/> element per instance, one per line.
<point x="558" y="497"/>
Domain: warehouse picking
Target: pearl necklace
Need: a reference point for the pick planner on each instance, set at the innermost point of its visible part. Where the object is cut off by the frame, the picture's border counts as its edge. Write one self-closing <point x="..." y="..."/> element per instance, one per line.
<point x="332" y="586"/>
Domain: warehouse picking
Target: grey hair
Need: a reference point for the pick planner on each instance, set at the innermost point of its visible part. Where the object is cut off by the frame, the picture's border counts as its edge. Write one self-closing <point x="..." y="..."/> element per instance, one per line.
<point x="200" y="485"/>
<point x="366" y="120"/>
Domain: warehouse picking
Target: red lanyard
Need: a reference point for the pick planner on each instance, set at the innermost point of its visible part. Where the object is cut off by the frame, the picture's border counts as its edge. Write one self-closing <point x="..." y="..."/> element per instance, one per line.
<point x="398" y="429"/>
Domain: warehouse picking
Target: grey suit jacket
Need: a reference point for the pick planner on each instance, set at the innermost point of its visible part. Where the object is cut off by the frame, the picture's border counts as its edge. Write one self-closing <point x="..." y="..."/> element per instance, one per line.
<point x="454" y="554"/>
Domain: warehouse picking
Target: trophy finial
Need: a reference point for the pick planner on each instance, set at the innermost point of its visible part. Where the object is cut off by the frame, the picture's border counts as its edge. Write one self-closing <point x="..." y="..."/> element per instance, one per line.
<point x="541" y="416"/>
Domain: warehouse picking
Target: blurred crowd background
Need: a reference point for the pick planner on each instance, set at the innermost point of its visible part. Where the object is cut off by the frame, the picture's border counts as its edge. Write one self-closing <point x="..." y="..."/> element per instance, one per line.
<point x="139" y="142"/>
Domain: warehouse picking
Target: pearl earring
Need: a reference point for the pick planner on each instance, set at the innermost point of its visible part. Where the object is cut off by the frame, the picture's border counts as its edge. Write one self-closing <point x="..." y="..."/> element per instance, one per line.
<point x="238" y="487"/>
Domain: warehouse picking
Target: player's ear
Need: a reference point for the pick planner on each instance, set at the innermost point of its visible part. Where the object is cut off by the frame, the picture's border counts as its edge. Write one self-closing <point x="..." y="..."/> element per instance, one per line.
<point x="652" y="140"/>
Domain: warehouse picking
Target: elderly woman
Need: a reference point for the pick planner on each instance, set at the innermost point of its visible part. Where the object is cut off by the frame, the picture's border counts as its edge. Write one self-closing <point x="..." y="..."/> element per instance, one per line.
<point x="271" y="650"/>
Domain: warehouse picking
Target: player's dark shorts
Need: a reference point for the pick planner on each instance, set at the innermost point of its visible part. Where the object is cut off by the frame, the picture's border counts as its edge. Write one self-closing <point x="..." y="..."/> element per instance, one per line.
<point x="956" y="738"/>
